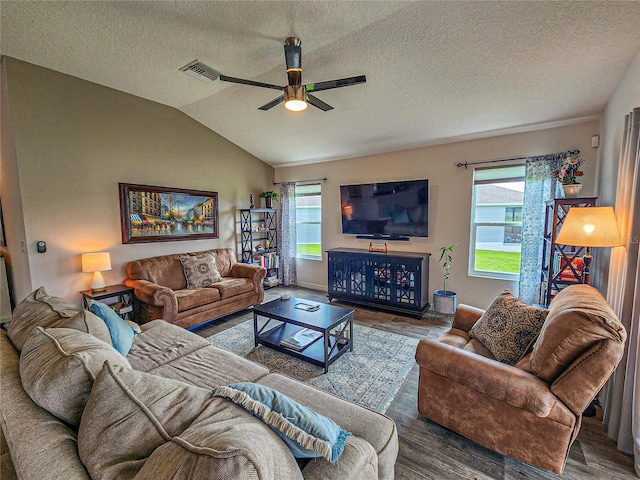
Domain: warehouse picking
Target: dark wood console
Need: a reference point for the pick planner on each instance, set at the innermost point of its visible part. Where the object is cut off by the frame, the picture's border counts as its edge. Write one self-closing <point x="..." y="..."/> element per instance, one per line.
<point x="396" y="281"/>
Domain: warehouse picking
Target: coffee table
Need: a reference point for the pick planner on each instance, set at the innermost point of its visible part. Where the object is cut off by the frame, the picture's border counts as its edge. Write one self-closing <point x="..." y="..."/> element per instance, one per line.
<point x="334" y="323"/>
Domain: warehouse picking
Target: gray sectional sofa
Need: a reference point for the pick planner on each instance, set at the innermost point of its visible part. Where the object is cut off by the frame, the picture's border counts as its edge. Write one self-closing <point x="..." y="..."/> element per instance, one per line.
<point x="92" y="413"/>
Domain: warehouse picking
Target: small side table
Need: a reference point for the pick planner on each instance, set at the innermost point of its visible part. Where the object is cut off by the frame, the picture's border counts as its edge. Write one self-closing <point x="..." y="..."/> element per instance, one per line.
<point x="122" y="294"/>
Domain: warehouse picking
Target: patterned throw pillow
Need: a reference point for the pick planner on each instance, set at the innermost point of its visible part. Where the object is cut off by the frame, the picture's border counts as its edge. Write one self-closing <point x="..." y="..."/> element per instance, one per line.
<point x="508" y="327"/>
<point x="200" y="270"/>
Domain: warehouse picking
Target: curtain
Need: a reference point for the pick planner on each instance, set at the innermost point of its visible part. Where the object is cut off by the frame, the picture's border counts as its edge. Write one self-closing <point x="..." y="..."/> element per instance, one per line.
<point x="539" y="187"/>
<point x="622" y="394"/>
<point x="287" y="234"/>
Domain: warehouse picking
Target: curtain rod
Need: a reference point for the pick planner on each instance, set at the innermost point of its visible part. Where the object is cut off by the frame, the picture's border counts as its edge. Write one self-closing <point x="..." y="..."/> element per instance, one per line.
<point x="466" y="164"/>
<point x="304" y="181"/>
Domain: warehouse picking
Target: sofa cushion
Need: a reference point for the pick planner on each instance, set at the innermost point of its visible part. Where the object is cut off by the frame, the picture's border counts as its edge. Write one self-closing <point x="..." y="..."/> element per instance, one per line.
<point x="58" y="367"/>
<point x="307" y="433"/>
<point x="189" y="298"/>
<point x="230" y="287"/>
<point x="508" y="327"/>
<point x="200" y="270"/>
<point x="141" y="424"/>
<point x="170" y="351"/>
<point x="87" y="322"/>
<point x="579" y="318"/>
<point x="38" y="310"/>
<point x="120" y="331"/>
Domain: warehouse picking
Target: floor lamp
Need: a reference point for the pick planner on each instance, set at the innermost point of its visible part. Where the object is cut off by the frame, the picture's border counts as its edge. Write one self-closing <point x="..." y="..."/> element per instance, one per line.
<point x="589" y="227"/>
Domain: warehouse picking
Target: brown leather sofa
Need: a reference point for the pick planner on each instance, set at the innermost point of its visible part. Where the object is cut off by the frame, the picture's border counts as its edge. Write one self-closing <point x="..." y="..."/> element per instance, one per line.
<point x="161" y="289"/>
<point x="530" y="411"/>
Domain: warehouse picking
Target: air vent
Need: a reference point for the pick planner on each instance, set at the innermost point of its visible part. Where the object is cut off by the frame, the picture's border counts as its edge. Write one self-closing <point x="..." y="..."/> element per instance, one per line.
<point x="200" y="71"/>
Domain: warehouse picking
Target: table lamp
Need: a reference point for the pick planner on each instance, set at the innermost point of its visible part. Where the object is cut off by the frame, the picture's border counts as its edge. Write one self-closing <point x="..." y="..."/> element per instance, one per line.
<point x="96" y="263"/>
<point x="590" y="227"/>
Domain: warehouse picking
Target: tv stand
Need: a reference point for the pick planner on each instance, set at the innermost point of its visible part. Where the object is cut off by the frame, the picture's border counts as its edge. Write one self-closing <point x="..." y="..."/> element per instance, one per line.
<point x="396" y="281"/>
<point x="384" y="237"/>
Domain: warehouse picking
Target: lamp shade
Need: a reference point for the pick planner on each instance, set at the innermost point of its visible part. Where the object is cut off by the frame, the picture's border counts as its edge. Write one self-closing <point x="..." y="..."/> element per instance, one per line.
<point x="96" y="262"/>
<point x="590" y="227"/>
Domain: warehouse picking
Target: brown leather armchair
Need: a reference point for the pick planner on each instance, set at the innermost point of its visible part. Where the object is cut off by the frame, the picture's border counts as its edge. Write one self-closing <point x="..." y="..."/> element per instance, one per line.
<point x="530" y="411"/>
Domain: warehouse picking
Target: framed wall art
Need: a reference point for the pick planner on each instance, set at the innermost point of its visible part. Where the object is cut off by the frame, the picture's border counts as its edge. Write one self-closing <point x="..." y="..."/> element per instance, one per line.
<point x="164" y="214"/>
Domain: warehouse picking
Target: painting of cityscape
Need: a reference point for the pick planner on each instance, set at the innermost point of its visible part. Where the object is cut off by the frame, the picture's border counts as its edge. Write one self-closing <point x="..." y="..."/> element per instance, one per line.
<point x="163" y="214"/>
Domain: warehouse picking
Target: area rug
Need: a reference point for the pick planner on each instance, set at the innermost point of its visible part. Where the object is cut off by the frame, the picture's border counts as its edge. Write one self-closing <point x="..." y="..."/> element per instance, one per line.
<point x="370" y="376"/>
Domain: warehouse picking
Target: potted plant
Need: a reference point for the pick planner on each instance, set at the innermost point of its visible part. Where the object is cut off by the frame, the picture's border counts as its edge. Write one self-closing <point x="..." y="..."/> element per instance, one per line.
<point x="568" y="174"/>
<point x="269" y="197"/>
<point x="444" y="301"/>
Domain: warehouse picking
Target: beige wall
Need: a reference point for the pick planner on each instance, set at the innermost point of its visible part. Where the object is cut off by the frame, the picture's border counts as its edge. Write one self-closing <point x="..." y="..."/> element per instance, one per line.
<point x="17" y="261"/>
<point x="449" y="198"/>
<point x="625" y="98"/>
<point x="75" y="141"/>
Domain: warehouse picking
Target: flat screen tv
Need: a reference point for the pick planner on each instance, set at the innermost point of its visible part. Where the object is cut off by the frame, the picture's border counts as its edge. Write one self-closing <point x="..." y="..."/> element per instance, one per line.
<point x="386" y="210"/>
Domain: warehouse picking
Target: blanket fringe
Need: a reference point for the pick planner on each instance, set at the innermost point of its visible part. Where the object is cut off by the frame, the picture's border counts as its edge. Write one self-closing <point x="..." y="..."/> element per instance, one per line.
<point x="277" y="421"/>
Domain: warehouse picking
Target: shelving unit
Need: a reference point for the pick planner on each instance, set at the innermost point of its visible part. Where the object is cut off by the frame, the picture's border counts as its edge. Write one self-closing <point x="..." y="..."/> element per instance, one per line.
<point x="122" y="295"/>
<point x="561" y="264"/>
<point x="396" y="281"/>
<point x="259" y="240"/>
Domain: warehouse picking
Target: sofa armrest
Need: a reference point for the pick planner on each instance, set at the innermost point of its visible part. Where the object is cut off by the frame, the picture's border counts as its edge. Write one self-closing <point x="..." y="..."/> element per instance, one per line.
<point x="246" y="270"/>
<point x="157" y="295"/>
<point x="498" y="380"/>
<point x="466" y="316"/>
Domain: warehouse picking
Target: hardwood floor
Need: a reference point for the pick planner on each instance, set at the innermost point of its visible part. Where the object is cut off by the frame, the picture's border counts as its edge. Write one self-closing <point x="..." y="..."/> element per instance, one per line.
<point x="429" y="451"/>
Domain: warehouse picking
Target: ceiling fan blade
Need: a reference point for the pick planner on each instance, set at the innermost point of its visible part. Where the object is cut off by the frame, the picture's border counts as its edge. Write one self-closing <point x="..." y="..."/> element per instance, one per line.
<point x="343" y="82"/>
<point x="316" y="102"/>
<point x="242" y="81"/>
<point x="272" y="103"/>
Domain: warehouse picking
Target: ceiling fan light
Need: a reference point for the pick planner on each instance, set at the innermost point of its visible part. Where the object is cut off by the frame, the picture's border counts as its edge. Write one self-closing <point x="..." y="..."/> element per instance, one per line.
<point x="295" y="98"/>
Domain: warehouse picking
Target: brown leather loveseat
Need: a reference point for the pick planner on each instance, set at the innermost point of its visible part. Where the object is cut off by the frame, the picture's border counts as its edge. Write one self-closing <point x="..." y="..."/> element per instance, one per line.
<point x="161" y="289"/>
<point x="532" y="410"/>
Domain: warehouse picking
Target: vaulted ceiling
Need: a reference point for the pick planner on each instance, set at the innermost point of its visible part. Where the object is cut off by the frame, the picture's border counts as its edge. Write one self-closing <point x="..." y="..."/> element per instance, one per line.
<point x="436" y="71"/>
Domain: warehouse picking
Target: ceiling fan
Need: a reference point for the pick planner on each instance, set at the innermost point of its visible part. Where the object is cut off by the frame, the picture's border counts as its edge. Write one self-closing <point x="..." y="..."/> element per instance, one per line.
<point x="295" y="95"/>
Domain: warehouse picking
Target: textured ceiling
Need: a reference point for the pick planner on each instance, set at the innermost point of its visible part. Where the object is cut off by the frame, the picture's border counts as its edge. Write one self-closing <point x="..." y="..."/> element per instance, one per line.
<point x="436" y="71"/>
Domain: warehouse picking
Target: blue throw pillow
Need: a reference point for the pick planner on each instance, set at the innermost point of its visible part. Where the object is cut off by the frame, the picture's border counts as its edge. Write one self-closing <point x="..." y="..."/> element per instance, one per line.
<point x="307" y="433"/>
<point x="121" y="333"/>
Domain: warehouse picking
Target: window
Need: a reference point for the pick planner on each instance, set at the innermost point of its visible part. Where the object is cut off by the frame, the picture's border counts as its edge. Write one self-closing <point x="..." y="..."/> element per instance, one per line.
<point x="309" y="221"/>
<point x="496" y="222"/>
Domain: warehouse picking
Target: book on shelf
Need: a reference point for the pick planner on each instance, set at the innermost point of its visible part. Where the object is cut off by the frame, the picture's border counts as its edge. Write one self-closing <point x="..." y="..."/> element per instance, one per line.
<point x="301" y="339"/>
<point x="267" y="260"/>
<point x="122" y="308"/>
<point x="566" y="272"/>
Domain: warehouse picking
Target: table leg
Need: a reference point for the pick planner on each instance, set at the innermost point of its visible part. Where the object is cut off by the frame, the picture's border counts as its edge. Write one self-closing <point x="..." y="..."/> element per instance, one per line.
<point x="325" y="336"/>
<point x="351" y="332"/>
<point x="255" y="329"/>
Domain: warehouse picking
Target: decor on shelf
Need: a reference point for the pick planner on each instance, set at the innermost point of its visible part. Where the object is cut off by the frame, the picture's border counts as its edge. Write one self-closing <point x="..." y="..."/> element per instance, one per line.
<point x="444" y="301"/>
<point x="96" y="263"/>
<point x="571" y="190"/>
<point x="164" y="214"/>
<point x="568" y="175"/>
<point x="269" y="197"/>
<point x="590" y="227"/>
<point x="380" y="247"/>
<point x="251" y="205"/>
